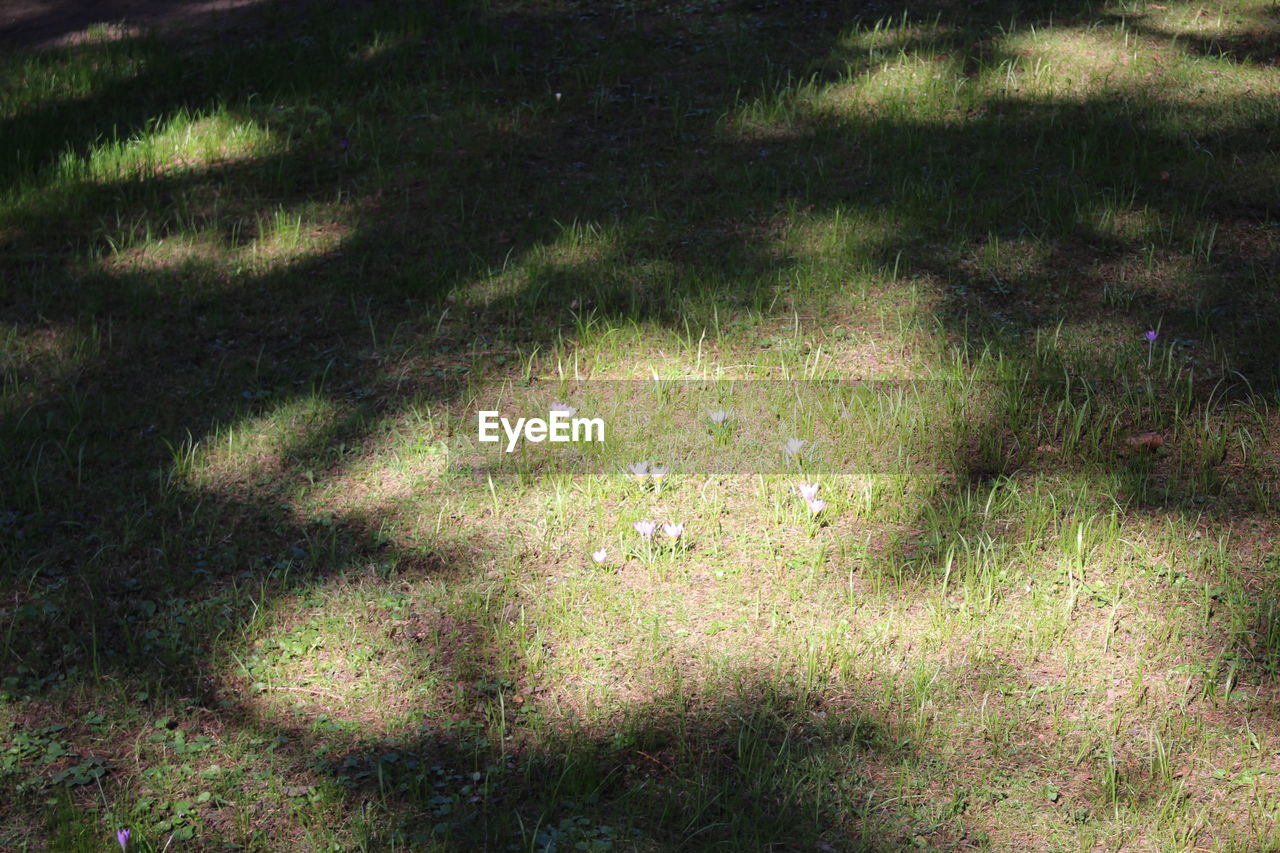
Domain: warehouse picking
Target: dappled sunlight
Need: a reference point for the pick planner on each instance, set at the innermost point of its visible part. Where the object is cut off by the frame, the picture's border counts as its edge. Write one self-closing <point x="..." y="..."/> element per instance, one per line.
<point x="397" y="487"/>
<point x="929" y="89"/>
<point x="185" y="143"/>
<point x="205" y="244"/>
<point x="575" y="246"/>
<point x="179" y="144"/>
<point x="580" y="280"/>
<point x="193" y="254"/>
<point x="1081" y="63"/>
<point x="1077" y="63"/>
<point x="289" y="237"/>
<point x="258" y="450"/>
<point x="47" y="79"/>
<point x="1243" y="37"/>
<point x="334" y="657"/>
<point x="937" y="502"/>
<point x="890" y="38"/>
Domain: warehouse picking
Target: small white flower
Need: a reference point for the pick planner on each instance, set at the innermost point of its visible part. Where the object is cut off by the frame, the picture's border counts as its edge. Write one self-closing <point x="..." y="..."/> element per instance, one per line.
<point x="719" y="416"/>
<point x="808" y="491"/>
<point x="564" y="407"/>
<point x="601" y="556"/>
<point x="794" y="446"/>
<point x="639" y="470"/>
<point x="673" y="530"/>
<point x="657" y="472"/>
<point x="646" y="528"/>
<point x="816" y="505"/>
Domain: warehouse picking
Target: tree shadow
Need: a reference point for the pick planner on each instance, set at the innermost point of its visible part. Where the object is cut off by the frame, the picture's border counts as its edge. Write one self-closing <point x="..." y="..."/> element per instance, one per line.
<point x="488" y="172"/>
<point x="753" y="764"/>
<point x="1256" y="43"/>
<point x="57" y="23"/>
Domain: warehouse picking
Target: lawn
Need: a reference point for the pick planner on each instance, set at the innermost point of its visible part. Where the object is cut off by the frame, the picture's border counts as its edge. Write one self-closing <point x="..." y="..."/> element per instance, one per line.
<point x="996" y="283"/>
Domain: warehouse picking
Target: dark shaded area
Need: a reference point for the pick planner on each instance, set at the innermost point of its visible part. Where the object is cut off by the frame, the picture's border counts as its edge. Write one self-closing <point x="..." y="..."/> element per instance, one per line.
<point x="49" y="23"/>
<point x="484" y="173"/>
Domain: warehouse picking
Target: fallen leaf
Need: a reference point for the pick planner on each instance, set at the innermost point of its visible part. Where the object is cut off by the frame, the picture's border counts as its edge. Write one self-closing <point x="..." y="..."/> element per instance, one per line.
<point x="1145" y="441"/>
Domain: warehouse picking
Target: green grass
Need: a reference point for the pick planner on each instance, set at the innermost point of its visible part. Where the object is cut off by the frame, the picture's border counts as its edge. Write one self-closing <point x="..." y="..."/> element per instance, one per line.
<point x="261" y="587"/>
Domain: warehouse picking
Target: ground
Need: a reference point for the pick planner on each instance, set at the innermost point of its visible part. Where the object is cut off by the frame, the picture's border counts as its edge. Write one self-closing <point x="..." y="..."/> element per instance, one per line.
<point x="50" y="23"/>
<point x="980" y="556"/>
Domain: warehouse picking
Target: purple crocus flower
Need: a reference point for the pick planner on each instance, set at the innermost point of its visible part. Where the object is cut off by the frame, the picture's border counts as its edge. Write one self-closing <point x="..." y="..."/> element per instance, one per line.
<point x="673" y="530"/>
<point x="817" y="505"/>
<point x="1151" y="336"/>
<point x="808" y="491"/>
<point x="646" y="528"/>
<point x="122" y="838"/>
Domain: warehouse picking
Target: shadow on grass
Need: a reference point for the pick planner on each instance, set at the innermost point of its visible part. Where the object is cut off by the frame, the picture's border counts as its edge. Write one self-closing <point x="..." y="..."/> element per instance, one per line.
<point x="754" y="767"/>
<point x="438" y="137"/>
<point x="1255" y="43"/>
<point x="48" y="24"/>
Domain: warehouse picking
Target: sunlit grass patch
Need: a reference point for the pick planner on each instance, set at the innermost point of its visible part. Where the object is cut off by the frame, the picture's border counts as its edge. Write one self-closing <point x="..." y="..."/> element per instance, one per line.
<point x="578" y="253"/>
<point x="178" y="144"/>
<point x="1241" y="33"/>
<point x="1127" y="62"/>
<point x="1077" y="62"/>
<point x="335" y="657"/>
<point x="265" y="448"/>
<point x="927" y="88"/>
<point x="42" y="78"/>
<point x="396" y="468"/>
<point x="286" y="236"/>
<point x="195" y="255"/>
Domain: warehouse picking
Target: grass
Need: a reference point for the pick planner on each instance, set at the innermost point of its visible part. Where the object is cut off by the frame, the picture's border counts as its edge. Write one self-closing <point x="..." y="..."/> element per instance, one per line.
<point x="263" y="589"/>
